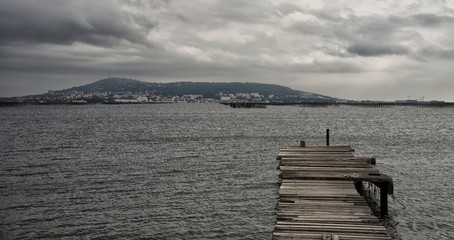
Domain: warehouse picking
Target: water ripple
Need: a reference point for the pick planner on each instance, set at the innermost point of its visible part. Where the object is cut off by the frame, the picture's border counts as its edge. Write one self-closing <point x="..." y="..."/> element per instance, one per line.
<point x="203" y="171"/>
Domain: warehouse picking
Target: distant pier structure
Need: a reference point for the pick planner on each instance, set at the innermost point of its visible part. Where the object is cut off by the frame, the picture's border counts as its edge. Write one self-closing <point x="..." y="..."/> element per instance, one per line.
<point x="245" y="104"/>
<point x="401" y="103"/>
<point x="12" y="104"/>
<point x="372" y="104"/>
<point x="319" y="194"/>
<point x="378" y="104"/>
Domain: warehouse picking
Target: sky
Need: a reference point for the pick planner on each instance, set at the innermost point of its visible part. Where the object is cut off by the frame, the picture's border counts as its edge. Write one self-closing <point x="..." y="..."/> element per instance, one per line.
<point x="351" y="49"/>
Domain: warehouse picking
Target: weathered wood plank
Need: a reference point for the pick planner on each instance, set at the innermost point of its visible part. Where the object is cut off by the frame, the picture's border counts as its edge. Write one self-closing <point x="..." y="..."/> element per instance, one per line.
<point x="319" y="148"/>
<point x="311" y="235"/>
<point x="368" y="160"/>
<point x="318" y="197"/>
<point x="322" y="168"/>
<point x="315" y="155"/>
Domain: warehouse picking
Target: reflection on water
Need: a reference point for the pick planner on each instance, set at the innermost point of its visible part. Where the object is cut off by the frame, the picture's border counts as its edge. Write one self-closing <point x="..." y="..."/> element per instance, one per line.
<point x="203" y="171"/>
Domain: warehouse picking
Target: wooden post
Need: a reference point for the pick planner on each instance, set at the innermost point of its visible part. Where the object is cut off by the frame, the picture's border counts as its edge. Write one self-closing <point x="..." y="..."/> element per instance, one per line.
<point x="327" y="137"/>
<point x="302" y="143"/>
<point x="383" y="199"/>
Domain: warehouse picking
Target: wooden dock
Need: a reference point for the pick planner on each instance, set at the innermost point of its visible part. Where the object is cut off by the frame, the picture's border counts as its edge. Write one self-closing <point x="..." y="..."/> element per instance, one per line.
<point x="318" y="198"/>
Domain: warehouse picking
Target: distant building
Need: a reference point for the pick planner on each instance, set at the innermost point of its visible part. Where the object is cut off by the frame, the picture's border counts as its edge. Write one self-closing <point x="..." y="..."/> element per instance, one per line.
<point x="225" y="99"/>
<point x="243" y="95"/>
<point x="142" y="99"/>
<point x="192" y="98"/>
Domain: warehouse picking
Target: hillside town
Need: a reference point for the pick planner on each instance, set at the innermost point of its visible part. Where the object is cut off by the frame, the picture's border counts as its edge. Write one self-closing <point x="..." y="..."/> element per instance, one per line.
<point x="78" y="97"/>
<point x="129" y="91"/>
<point x="114" y="90"/>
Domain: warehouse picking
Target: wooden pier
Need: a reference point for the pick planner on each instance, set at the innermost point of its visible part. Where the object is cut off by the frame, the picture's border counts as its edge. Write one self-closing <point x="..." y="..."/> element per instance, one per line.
<point x="318" y="197"/>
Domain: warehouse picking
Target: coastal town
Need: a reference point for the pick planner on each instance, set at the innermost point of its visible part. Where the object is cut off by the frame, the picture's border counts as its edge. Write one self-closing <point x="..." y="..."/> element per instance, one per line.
<point x="129" y="91"/>
<point x="236" y="100"/>
<point x="125" y="91"/>
<point x="76" y="97"/>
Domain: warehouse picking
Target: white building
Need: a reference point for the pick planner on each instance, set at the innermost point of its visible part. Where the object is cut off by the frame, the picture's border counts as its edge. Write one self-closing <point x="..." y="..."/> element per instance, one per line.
<point x="142" y="99"/>
<point x="225" y="99"/>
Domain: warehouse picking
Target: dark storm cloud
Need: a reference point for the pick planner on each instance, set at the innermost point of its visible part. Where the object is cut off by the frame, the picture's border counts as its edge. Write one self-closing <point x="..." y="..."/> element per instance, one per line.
<point x="431" y="20"/>
<point x="362" y="36"/>
<point x="368" y="36"/>
<point x="270" y="41"/>
<point x="387" y="35"/>
<point x="372" y="36"/>
<point x="368" y="49"/>
<point x="61" y="22"/>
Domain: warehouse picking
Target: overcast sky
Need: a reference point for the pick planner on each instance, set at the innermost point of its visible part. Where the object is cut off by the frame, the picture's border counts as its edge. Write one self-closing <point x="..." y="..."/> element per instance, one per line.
<point x="376" y="50"/>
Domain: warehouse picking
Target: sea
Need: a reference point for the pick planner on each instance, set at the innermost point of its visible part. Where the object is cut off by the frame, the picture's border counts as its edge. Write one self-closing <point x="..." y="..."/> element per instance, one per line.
<point x="205" y="171"/>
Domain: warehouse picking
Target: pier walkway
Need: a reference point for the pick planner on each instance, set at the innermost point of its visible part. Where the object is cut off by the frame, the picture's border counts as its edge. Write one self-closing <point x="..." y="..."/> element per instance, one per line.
<point x="318" y="198"/>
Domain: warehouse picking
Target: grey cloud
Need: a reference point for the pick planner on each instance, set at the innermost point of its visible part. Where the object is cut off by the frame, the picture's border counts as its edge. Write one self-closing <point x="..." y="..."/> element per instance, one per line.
<point x="86" y="40"/>
<point x="370" y="28"/>
<point x="372" y="35"/>
<point x="287" y="8"/>
<point x="376" y="49"/>
<point x="435" y="51"/>
<point x="309" y="29"/>
<point x="363" y="36"/>
<point x="242" y="11"/>
<point x="57" y="22"/>
<point x="337" y="67"/>
<point x="431" y="20"/>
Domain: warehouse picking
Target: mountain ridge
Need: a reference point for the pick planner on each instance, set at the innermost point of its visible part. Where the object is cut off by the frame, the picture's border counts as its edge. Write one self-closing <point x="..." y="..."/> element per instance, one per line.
<point x="109" y="89"/>
<point x="207" y="89"/>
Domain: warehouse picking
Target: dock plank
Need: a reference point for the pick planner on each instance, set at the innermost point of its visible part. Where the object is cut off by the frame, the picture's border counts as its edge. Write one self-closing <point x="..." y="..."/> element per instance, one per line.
<point x="317" y="195"/>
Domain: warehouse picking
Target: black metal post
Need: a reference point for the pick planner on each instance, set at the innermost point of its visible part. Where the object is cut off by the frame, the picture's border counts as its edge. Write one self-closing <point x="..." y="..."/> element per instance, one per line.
<point x="327" y="137"/>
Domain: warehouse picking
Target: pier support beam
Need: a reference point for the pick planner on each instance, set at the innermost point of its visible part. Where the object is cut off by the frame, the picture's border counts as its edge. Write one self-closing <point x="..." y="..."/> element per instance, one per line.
<point x="384" y="188"/>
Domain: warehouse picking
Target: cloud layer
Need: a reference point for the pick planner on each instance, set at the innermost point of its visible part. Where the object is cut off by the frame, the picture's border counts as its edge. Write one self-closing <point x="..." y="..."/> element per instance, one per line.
<point x="349" y="49"/>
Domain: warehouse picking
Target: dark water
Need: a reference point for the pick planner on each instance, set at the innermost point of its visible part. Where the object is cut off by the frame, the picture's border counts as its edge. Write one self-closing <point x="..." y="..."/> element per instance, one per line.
<point x="203" y="171"/>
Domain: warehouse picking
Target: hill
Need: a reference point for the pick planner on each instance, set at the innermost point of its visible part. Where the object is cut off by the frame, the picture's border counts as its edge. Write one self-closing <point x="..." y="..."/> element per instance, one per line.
<point x="207" y="89"/>
<point x="112" y="89"/>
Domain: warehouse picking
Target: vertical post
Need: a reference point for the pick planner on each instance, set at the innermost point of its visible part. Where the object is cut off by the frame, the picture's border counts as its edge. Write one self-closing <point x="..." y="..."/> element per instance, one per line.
<point x="383" y="199"/>
<point x="302" y="143"/>
<point x="327" y="137"/>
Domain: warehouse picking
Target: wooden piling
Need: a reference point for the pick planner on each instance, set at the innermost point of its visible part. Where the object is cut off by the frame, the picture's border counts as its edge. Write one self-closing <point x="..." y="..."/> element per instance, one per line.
<point x="383" y="199"/>
<point x="318" y="198"/>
